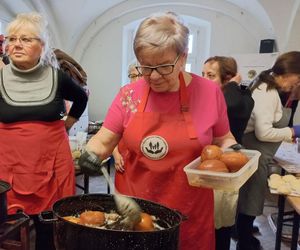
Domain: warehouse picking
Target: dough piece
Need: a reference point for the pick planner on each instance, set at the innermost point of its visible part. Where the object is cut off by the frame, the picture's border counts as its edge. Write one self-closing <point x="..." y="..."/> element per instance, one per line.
<point x="275" y="183"/>
<point x="295" y="184"/>
<point x="284" y="189"/>
<point x="275" y="176"/>
<point x="288" y="178"/>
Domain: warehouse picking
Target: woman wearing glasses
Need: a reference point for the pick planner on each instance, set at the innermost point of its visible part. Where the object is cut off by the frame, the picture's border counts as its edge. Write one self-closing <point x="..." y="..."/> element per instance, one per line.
<point x="133" y="74"/>
<point x="34" y="148"/>
<point x="163" y="121"/>
<point x="265" y="131"/>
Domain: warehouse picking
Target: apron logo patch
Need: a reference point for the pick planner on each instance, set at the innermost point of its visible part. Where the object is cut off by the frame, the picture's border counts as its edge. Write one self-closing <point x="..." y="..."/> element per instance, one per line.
<point x="154" y="147"/>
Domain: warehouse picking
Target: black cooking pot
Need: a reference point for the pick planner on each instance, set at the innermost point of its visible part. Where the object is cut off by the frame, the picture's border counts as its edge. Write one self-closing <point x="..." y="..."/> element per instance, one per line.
<point x="4" y="187"/>
<point x="71" y="236"/>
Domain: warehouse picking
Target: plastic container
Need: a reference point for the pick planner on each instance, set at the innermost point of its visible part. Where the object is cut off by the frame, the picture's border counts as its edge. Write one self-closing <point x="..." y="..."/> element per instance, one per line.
<point x="222" y="181"/>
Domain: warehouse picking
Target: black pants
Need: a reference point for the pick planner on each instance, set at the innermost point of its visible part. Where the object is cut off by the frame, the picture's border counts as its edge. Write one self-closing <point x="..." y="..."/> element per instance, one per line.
<point x="223" y="238"/>
<point x="44" y="235"/>
<point x="246" y="240"/>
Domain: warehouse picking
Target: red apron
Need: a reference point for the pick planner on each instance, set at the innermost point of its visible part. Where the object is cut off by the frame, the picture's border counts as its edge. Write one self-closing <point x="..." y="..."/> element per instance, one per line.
<point x="35" y="159"/>
<point x="156" y="147"/>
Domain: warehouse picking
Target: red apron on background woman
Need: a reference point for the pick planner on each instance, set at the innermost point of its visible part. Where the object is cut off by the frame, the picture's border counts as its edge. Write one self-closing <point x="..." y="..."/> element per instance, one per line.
<point x="35" y="159"/>
<point x="158" y="146"/>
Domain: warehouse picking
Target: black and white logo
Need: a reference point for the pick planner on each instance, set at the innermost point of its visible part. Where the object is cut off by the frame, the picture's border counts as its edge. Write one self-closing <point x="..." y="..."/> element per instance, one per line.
<point x="154" y="147"/>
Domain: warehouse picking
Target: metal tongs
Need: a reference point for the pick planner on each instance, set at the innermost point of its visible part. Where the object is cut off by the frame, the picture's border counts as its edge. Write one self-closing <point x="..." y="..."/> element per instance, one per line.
<point x="127" y="207"/>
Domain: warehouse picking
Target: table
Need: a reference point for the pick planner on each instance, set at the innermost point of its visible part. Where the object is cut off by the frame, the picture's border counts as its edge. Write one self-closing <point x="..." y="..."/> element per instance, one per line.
<point x="288" y="159"/>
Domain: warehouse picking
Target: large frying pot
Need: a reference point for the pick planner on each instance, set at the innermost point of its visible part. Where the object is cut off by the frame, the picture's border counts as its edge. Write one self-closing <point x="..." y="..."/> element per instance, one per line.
<point x="4" y="188"/>
<point x="71" y="236"/>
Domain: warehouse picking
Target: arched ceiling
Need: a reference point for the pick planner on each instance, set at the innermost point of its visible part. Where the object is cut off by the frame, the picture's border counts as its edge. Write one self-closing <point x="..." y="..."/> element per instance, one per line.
<point x="69" y="20"/>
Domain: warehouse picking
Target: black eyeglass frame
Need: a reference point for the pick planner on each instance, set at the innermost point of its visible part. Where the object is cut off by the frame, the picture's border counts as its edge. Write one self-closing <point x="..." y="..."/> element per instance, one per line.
<point x="141" y="67"/>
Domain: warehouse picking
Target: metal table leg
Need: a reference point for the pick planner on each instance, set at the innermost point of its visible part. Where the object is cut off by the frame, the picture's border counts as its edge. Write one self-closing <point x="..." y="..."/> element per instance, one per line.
<point x="281" y="203"/>
<point x="295" y="231"/>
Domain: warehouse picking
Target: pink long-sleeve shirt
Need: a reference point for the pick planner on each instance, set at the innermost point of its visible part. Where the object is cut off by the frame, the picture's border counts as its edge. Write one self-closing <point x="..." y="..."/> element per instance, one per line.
<point x="206" y="100"/>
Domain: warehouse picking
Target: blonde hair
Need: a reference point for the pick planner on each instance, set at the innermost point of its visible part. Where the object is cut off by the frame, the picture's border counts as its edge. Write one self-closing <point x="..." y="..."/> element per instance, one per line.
<point x="39" y="26"/>
<point x="161" y="31"/>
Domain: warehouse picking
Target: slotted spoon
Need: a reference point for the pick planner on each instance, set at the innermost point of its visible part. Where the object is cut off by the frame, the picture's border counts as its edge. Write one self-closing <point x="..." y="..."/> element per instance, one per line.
<point x="126" y="206"/>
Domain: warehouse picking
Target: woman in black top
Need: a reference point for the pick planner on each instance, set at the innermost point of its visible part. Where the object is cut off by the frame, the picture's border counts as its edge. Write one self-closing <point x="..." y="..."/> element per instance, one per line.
<point x="223" y="71"/>
<point x="34" y="147"/>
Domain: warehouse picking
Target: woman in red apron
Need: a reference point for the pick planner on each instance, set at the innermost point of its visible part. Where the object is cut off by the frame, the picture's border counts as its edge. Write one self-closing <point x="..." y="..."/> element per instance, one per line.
<point x="164" y="120"/>
<point x="35" y="157"/>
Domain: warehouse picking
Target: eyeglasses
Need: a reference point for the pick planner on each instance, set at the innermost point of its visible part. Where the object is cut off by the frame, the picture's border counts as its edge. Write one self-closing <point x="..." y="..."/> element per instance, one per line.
<point x="134" y="75"/>
<point x="24" y="40"/>
<point x="164" y="69"/>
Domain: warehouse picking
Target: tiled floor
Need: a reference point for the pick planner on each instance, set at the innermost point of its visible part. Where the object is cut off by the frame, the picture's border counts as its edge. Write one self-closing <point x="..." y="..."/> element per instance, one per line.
<point x="266" y="234"/>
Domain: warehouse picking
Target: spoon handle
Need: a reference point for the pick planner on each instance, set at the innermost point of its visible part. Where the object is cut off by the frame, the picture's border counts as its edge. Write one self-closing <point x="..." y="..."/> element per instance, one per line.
<point x="108" y="179"/>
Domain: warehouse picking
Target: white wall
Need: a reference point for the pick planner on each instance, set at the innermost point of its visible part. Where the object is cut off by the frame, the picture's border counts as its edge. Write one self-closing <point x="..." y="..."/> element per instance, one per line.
<point x="100" y="49"/>
<point x="294" y="44"/>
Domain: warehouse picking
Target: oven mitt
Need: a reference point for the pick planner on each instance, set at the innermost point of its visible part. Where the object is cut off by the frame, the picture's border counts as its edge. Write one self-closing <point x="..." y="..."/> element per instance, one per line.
<point x="90" y="164"/>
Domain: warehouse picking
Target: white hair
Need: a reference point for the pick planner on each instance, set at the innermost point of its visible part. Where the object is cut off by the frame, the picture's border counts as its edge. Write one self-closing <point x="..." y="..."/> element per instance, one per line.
<point x="39" y="25"/>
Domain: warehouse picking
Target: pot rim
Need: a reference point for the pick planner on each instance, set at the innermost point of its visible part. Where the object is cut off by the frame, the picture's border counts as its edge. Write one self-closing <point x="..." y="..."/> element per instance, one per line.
<point x="175" y="213"/>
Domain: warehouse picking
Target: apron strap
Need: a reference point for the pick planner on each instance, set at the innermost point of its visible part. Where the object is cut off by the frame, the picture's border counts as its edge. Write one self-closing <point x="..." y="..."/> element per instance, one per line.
<point x="184" y="106"/>
<point x="142" y="105"/>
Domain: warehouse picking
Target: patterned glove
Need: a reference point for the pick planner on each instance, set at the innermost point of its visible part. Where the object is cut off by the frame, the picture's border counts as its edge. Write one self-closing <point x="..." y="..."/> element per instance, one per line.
<point x="296" y="131"/>
<point x="90" y="163"/>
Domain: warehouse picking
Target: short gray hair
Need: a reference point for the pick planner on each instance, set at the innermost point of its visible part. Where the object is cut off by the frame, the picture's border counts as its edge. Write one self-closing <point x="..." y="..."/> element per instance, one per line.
<point x="161" y="31"/>
<point x="40" y="27"/>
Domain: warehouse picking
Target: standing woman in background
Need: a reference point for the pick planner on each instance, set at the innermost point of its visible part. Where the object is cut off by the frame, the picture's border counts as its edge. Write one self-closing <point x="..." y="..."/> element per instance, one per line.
<point x="266" y="129"/>
<point x="133" y="74"/>
<point x="35" y="157"/>
<point x="223" y="71"/>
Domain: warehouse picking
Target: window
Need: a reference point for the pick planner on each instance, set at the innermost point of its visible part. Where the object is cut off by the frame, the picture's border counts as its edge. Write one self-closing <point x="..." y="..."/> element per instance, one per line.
<point x="198" y="46"/>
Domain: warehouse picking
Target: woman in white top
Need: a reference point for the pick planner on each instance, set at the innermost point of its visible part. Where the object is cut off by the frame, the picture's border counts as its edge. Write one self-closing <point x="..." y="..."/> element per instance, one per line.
<point x="266" y="129"/>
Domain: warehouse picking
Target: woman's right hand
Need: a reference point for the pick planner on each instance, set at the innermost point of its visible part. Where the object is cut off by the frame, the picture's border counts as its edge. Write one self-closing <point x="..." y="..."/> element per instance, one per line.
<point x="90" y="163"/>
